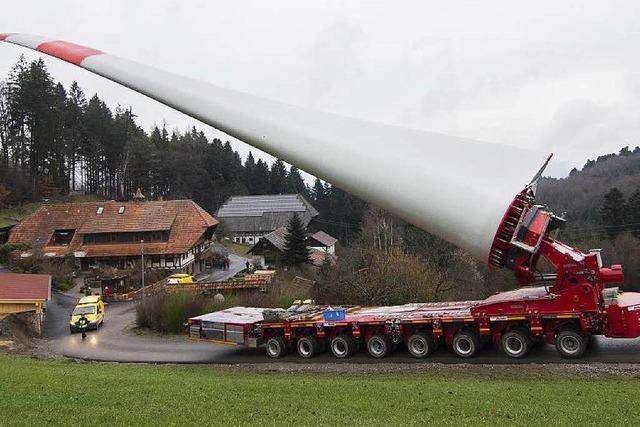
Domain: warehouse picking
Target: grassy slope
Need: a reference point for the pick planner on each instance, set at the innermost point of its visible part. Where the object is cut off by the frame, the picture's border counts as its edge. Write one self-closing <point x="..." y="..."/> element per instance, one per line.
<point x="235" y="248"/>
<point x="47" y="392"/>
<point x="12" y="215"/>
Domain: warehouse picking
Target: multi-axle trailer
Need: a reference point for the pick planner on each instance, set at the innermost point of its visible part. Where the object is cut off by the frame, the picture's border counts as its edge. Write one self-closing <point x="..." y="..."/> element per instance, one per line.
<point x="513" y="320"/>
<point x="565" y="308"/>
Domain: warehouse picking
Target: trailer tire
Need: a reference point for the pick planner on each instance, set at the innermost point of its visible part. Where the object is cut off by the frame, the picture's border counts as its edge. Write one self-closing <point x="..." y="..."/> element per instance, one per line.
<point x="571" y="344"/>
<point x="308" y="347"/>
<point x="379" y="346"/>
<point x="516" y="343"/>
<point x="420" y="345"/>
<point x="342" y="346"/>
<point x="276" y="347"/>
<point x="466" y="344"/>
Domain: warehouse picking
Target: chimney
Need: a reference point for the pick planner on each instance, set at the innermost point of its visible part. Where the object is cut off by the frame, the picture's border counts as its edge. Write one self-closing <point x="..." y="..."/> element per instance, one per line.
<point x="138" y="197"/>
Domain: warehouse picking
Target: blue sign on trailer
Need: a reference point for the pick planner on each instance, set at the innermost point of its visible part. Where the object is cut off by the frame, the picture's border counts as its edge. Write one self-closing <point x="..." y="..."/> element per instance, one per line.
<point x="334" y="314"/>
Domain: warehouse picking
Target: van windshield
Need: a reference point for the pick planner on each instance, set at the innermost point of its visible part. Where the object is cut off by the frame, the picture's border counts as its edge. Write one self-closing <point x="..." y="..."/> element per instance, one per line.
<point x="87" y="309"/>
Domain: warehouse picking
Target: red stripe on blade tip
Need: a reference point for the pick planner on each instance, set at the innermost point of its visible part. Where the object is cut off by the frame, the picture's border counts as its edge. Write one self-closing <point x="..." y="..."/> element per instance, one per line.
<point x="4" y="35"/>
<point x="68" y="51"/>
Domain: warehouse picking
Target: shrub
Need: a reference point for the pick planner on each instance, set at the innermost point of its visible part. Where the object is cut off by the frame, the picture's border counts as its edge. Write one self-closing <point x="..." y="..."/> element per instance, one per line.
<point x="7" y="248"/>
<point x="167" y="312"/>
<point x="62" y="284"/>
<point x="61" y="271"/>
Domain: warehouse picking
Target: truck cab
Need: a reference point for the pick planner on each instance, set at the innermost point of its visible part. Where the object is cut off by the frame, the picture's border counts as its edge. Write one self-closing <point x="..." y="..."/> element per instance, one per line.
<point x="92" y="307"/>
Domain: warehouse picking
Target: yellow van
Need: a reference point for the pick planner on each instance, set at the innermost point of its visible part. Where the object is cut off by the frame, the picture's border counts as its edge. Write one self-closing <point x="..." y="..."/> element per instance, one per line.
<point x="93" y="309"/>
<point x="180" y="279"/>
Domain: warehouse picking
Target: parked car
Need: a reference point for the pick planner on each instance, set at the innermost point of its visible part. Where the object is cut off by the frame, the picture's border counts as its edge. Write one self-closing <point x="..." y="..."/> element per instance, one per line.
<point x="92" y="307"/>
<point x="180" y="279"/>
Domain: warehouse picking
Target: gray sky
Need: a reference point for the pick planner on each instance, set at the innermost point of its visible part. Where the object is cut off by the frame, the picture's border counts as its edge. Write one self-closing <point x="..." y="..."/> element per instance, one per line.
<point x="555" y="76"/>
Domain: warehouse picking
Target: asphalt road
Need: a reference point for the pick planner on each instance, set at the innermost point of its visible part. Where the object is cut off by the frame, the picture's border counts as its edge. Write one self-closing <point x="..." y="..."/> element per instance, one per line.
<point x="236" y="265"/>
<point x="117" y="341"/>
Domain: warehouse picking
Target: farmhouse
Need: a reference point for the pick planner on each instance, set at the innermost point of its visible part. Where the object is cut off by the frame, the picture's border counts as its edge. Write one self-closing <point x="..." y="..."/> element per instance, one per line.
<point x="271" y="247"/>
<point x="249" y="218"/>
<point x="171" y="234"/>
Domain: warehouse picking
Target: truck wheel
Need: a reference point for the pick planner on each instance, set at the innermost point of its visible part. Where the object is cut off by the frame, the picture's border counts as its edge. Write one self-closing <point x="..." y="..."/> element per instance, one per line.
<point x="308" y="347"/>
<point x="379" y="346"/>
<point x="342" y="346"/>
<point x="466" y="344"/>
<point x="420" y="345"/>
<point x="516" y="343"/>
<point x="571" y="344"/>
<point x="276" y="348"/>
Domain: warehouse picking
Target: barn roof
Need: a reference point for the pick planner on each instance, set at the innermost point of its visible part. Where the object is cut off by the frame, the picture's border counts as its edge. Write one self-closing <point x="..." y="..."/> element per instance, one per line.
<point x="265" y="212"/>
<point x="25" y="287"/>
<point x="324" y="238"/>
<point x="185" y="221"/>
<point x="278" y="238"/>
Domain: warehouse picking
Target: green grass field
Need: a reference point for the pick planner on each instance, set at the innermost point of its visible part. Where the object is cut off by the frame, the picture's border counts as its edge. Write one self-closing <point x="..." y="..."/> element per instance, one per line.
<point x="34" y="392"/>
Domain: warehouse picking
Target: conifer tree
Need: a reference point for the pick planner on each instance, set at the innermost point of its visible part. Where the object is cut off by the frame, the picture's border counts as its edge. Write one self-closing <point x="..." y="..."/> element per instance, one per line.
<point x="278" y="177"/>
<point x="260" y="181"/>
<point x="296" y="251"/>
<point x="74" y="128"/>
<point x="295" y="183"/>
<point x="320" y="198"/>
<point x="633" y="212"/>
<point x="249" y="172"/>
<point x="614" y="211"/>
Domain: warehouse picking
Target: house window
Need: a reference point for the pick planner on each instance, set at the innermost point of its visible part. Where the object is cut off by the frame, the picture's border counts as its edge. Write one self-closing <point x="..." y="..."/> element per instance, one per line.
<point x="121" y="210"/>
<point x="62" y="237"/>
<point x="99" y="210"/>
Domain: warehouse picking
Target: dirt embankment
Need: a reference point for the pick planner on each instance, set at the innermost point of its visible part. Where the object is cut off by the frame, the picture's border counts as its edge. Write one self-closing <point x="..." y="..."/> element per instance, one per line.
<point x="17" y="334"/>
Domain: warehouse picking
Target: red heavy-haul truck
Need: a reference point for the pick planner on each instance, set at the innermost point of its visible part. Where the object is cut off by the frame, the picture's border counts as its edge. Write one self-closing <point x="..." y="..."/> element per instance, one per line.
<point x="581" y="298"/>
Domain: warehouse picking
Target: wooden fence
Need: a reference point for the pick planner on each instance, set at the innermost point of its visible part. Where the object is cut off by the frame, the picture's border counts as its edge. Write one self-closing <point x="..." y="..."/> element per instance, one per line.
<point x="256" y="284"/>
<point x="228" y="285"/>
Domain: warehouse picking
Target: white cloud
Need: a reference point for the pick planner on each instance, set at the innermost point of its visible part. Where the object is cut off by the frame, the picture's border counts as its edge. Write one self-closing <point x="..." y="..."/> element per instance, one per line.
<point x="561" y="76"/>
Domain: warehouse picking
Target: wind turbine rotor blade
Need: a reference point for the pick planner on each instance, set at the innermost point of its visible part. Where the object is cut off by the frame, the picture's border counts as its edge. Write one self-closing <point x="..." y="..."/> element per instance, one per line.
<point x="455" y="188"/>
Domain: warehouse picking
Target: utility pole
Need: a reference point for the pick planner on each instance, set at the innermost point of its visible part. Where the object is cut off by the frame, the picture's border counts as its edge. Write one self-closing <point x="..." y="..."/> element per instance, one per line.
<point x="142" y="259"/>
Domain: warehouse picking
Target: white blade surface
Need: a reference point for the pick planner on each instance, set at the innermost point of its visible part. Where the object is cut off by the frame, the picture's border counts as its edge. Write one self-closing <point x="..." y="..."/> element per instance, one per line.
<point x="456" y="188"/>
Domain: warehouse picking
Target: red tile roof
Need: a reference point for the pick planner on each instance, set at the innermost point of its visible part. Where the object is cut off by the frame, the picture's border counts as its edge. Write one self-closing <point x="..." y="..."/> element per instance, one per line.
<point x="27" y="287"/>
<point x="141" y="216"/>
<point x="184" y="219"/>
<point x="317" y="257"/>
